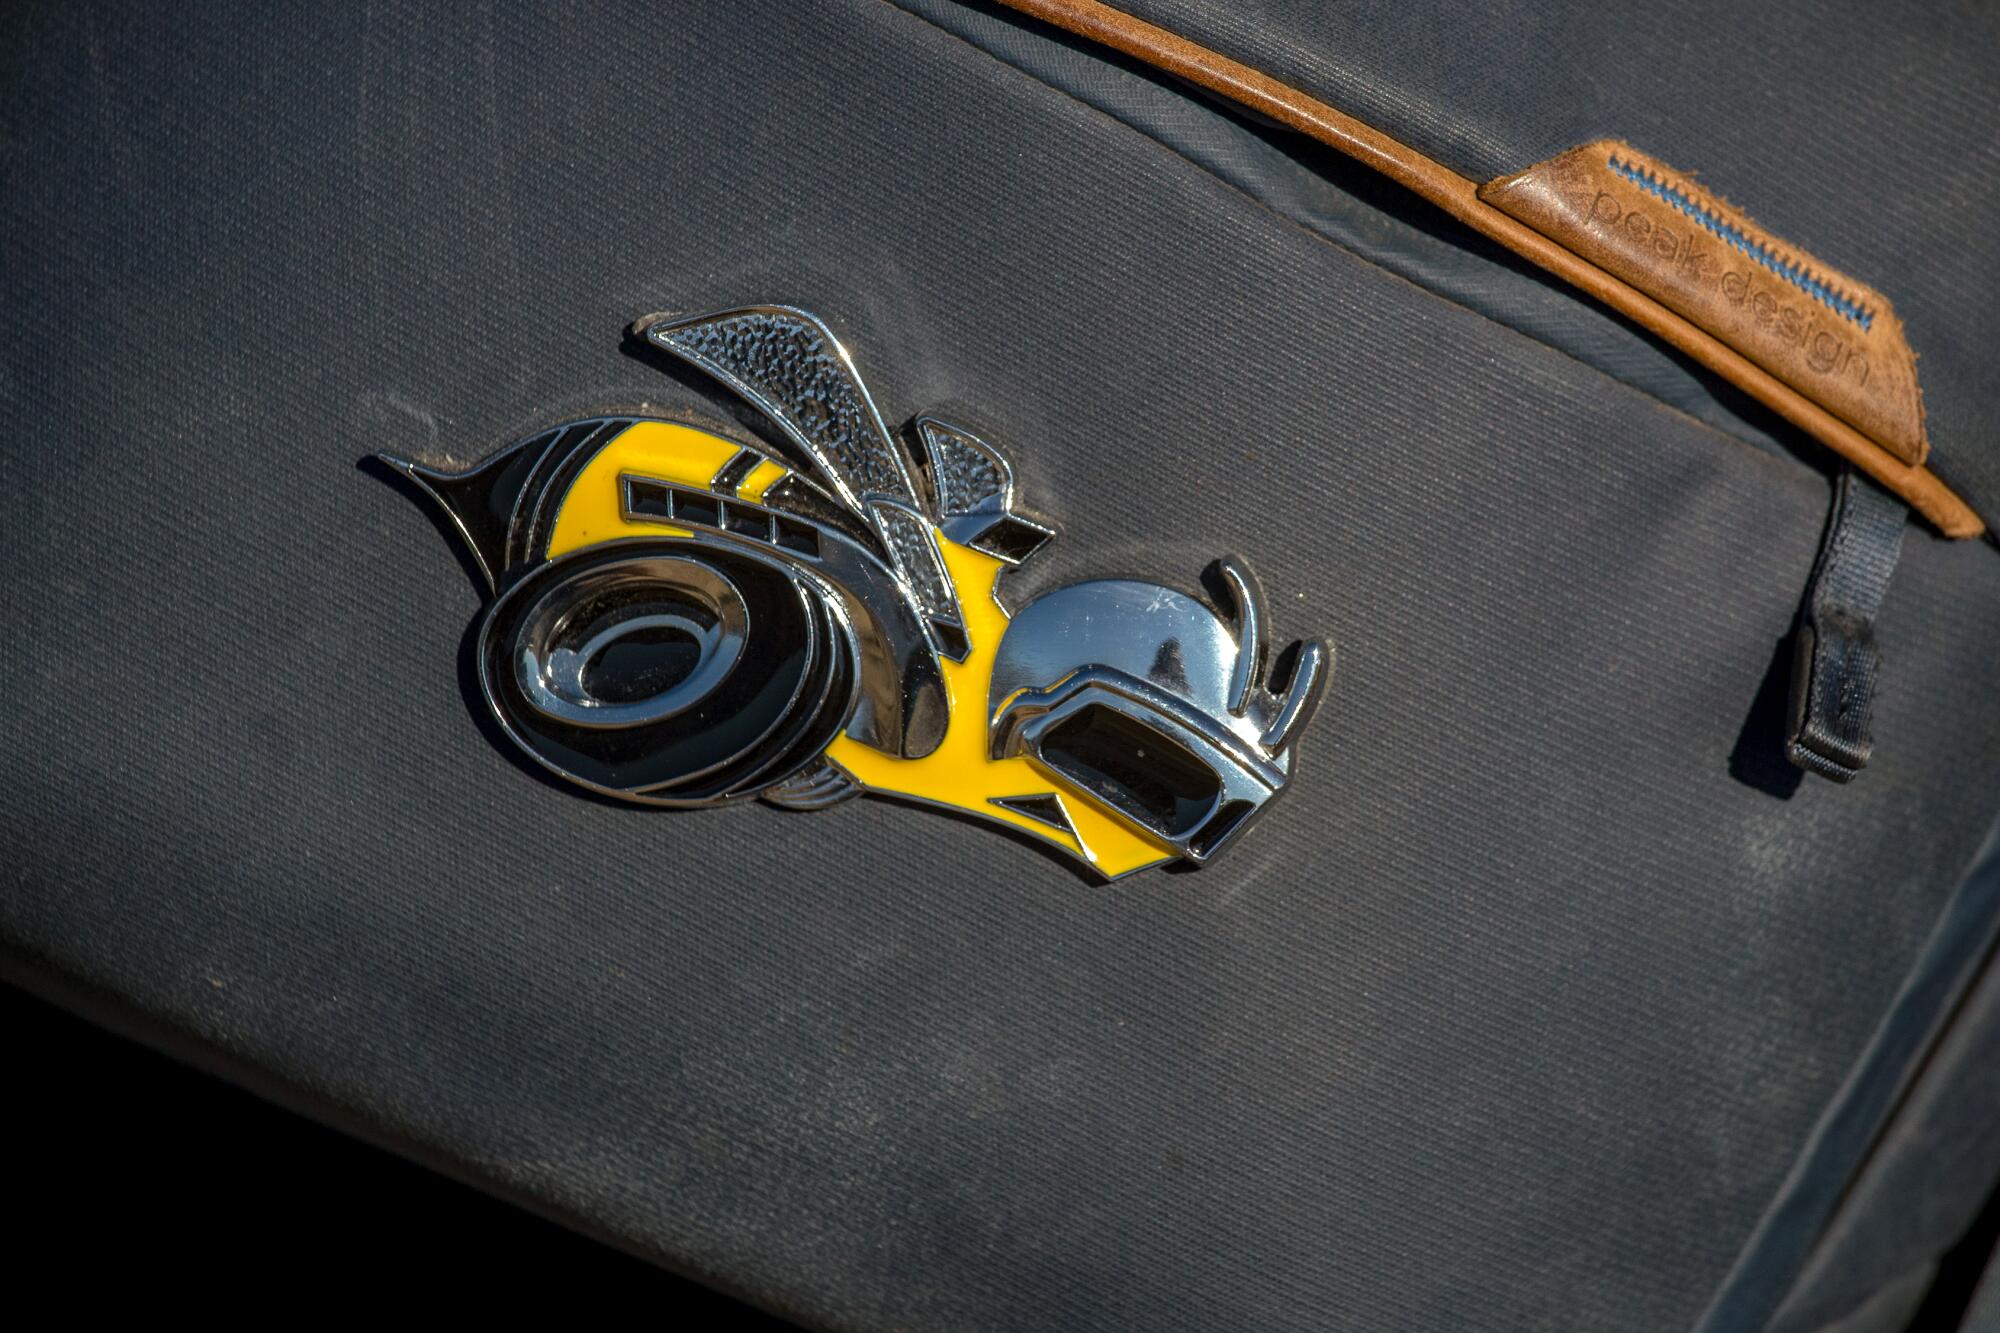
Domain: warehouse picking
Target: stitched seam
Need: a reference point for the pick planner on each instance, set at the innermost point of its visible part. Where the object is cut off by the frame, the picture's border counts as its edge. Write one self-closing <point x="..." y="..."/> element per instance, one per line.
<point x="1798" y="275"/>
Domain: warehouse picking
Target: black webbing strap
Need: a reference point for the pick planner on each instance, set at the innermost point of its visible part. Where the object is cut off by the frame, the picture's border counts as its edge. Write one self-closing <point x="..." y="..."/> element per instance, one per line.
<point x="1833" y="676"/>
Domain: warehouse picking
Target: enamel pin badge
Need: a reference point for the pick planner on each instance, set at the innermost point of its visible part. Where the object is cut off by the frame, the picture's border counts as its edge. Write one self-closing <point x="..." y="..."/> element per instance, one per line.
<point x="679" y="619"/>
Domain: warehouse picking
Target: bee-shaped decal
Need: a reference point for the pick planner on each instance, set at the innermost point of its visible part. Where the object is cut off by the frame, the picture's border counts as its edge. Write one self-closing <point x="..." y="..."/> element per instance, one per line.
<point x="681" y="619"/>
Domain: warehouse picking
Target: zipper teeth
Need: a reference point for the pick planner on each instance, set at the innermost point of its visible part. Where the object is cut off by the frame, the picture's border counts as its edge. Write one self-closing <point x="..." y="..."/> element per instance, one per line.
<point x="1798" y="275"/>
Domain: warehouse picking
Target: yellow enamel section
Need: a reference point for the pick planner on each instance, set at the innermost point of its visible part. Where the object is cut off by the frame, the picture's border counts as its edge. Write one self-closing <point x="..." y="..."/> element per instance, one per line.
<point x="961" y="774"/>
<point x="761" y="479"/>
<point x="594" y="510"/>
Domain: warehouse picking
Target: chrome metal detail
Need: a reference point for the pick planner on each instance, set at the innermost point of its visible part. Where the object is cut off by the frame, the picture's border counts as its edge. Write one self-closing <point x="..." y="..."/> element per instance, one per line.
<point x="534" y="510"/>
<point x="676" y="643"/>
<point x="1246" y="603"/>
<point x="1047" y="809"/>
<point x="818" y="787"/>
<point x="791" y="367"/>
<point x="765" y="675"/>
<point x="910" y="540"/>
<point x="902" y="709"/>
<point x="1154" y="705"/>
<point x="571" y="634"/>
<point x="967" y="475"/>
<point x="975" y="490"/>
<point x="1301" y="682"/>
<point x="914" y="547"/>
<point x="732" y="473"/>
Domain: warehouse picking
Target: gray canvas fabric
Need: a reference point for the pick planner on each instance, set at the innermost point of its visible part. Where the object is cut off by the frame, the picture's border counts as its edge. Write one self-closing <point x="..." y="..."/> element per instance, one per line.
<point x="1928" y="1175"/>
<point x="1905" y="1159"/>
<point x="1362" y="211"/>
<point x="1865" y="133"/>
<point x="1517" y="1012"/>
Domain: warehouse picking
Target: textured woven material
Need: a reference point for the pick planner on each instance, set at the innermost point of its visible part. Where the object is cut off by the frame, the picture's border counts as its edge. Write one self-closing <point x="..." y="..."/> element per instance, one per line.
<point x="1872" y="1205"/>
<point x="1864" y="133"/>
<point x="1518" y="1010"/>
<point x="1362" y="211"/>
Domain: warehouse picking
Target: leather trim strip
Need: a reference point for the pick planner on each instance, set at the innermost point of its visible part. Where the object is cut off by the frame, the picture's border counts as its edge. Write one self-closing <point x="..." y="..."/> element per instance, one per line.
<point x="1833" y="339"/>
<point x="1459" y="196"/>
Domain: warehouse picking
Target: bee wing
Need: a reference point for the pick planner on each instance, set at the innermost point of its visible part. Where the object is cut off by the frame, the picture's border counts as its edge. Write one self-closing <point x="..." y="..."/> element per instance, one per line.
<point x="974" y="486"/>
<point x="789" y="366"/>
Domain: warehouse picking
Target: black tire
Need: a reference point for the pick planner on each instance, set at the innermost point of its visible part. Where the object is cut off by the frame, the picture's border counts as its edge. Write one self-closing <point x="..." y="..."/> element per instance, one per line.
<point x="676" y="671"/>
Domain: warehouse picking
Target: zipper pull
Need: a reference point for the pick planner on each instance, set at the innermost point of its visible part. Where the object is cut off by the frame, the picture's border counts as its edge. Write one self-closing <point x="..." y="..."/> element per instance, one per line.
<point x="1833" y="674"/>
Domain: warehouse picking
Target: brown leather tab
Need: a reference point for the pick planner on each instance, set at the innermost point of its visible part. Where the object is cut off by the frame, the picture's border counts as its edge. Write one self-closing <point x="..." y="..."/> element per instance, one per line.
<point x="1430" y="179"/>
<point x="1833" y="339"/>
